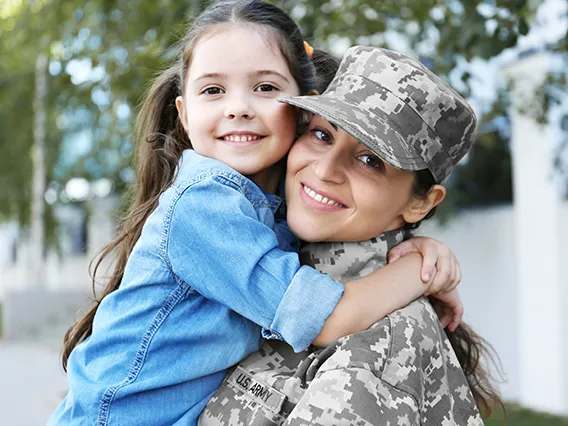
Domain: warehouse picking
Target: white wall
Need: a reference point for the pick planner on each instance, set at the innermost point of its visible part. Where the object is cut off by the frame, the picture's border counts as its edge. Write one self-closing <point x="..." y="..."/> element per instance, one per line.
<point x="483" y="240"/>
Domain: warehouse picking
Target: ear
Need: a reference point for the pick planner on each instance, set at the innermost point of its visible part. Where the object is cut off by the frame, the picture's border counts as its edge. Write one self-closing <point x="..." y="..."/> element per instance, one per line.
<point x="181" y="112"/>
<point x="418" y="208"/>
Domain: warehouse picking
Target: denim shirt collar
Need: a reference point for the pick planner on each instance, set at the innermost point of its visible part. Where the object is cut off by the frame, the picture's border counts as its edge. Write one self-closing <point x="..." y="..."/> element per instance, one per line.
<point x="277" y="203"/>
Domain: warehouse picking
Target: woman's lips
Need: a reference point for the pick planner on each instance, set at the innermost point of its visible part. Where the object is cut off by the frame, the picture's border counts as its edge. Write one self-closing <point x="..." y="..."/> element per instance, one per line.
<point x="318" y="200"/>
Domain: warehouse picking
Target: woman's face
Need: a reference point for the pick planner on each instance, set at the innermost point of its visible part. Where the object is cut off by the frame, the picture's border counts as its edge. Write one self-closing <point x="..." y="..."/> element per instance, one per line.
<point x="338" y="190"/>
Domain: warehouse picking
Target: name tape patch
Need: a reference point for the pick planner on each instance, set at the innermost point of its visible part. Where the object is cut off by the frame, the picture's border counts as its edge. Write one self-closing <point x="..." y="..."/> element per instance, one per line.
<point x="257" y="390"/>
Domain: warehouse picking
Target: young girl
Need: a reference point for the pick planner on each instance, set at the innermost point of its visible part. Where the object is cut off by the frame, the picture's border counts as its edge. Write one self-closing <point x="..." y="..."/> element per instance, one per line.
<point x="387" y="133"/>
<point x="203" y="263"/>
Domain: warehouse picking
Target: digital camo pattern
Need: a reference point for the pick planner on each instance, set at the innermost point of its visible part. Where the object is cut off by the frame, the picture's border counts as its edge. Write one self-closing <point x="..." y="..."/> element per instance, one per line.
<point x="398" y="108"/>
<point x="347" y="261"/>
<point x="401" y="371"/>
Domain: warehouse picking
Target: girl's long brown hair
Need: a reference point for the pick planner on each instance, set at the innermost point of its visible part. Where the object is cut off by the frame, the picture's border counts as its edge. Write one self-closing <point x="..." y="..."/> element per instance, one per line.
<point x="157" y="158"/>
<point x="160" y="137"/>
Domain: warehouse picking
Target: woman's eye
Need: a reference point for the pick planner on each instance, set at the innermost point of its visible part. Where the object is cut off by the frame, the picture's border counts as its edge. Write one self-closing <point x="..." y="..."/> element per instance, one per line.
<point x="212" y="91"/>
<point x="265" y="88"/>
<point x="372" y="161"/>
<point x="321" y="135"/>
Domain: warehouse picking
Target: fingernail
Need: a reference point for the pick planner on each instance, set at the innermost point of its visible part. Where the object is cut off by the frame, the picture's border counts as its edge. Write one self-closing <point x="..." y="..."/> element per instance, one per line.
<point x="427" y="276"/>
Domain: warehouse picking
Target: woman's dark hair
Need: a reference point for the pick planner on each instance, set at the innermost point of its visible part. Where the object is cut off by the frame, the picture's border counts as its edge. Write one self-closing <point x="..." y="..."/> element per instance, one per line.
<point x="160" y="137"/>
<point x="326" y="67"/>
<point x="469" y="347"/>
<point x="471" y="350"/>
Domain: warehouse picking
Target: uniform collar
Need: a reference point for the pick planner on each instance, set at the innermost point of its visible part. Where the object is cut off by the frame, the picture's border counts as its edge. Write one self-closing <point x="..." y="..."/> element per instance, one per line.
<point x="346" y="261"/>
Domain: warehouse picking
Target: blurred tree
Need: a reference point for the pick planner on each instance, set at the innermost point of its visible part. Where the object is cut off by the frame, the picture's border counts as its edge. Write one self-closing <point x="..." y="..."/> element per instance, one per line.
<point x="103" y="53"/>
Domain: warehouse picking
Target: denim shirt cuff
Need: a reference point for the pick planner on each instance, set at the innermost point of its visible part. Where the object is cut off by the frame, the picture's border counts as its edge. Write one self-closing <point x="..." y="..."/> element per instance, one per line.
<point x="310" y="298"/>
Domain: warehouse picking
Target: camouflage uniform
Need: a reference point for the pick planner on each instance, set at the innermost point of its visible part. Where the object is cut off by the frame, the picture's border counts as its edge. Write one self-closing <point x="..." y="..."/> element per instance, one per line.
<point x="401" y="371"/>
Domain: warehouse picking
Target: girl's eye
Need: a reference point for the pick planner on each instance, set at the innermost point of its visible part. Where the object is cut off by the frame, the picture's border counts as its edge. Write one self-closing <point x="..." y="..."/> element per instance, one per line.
<point x="372" y="161"/>
<point x="321" y="135"/>
<point x="212" y="91"/>
<point x="265" y="87"/>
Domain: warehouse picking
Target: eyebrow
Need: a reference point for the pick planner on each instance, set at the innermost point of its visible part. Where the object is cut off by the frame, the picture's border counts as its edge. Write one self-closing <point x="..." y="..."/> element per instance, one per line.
<point x="271" y="72"/>
<point x="259" y="73"/>
<point x="209" y="75"/>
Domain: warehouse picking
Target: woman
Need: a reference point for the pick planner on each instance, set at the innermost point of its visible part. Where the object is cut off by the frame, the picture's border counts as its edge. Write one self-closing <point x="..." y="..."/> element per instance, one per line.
<point x="368" y="169"/>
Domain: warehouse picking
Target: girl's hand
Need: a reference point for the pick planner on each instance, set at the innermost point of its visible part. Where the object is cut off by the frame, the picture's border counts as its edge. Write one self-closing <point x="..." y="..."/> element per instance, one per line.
<point x="440" y="267"/>
<point x="449" y="308"/>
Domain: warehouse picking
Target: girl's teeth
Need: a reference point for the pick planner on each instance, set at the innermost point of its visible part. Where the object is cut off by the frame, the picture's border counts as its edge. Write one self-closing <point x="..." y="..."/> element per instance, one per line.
<point x="318" y="197"/>
<point x="244" y="138"/>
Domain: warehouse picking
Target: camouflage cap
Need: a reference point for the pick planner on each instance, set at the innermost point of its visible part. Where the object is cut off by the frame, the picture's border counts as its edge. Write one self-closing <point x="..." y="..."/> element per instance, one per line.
<point x="398" y="108"/>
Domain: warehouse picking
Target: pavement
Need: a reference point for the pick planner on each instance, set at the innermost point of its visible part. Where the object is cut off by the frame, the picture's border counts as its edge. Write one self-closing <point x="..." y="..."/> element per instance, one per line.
<point x="32" y="382"/>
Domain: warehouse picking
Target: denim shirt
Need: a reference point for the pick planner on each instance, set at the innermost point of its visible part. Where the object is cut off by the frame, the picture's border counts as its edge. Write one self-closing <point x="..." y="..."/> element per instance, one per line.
<point x="210" y="274"/>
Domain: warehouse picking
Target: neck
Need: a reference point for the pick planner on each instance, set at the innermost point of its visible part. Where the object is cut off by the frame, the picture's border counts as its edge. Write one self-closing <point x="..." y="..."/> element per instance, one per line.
<point x="347" y="261"/>
<point x="269" y="178"/>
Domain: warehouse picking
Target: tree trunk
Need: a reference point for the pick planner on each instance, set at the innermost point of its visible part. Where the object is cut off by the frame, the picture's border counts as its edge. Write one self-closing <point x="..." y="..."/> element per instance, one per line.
<point x="39" y="175"/>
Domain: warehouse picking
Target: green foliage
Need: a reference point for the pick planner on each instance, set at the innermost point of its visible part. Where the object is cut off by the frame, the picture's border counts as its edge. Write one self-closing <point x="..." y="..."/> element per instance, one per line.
<point x="486" y="179"/>
<point x="125" y="43"/>
<point x="518" y="416"/>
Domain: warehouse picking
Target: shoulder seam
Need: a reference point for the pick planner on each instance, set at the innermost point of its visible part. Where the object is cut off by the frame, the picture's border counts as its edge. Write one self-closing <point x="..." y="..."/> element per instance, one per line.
<point x="236" y="181"/>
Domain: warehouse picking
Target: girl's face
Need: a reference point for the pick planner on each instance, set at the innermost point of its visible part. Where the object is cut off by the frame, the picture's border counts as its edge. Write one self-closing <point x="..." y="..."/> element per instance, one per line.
<point x="229" y="107"/>
<point x="338" y="190"/>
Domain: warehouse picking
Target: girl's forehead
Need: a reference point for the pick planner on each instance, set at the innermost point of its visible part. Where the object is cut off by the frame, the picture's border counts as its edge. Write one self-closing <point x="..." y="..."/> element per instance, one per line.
<point x="240" y="53"/>
<point x="246" y="42"/>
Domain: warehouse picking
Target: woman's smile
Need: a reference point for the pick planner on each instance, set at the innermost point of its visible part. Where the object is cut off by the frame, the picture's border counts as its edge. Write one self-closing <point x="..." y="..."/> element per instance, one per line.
<point x="320" y="200"/>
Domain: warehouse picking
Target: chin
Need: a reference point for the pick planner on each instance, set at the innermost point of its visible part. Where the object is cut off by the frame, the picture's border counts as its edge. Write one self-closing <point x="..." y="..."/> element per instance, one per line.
<point x="304" y="231"/>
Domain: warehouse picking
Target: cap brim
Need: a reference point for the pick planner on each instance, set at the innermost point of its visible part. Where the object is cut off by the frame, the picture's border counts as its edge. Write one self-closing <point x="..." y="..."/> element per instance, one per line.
<point x="370" y="129"/>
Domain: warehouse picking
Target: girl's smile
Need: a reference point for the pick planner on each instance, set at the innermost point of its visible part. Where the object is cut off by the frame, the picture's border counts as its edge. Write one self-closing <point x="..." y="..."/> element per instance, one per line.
<point x="242" y="138"/>
<point x="229" y="107"/>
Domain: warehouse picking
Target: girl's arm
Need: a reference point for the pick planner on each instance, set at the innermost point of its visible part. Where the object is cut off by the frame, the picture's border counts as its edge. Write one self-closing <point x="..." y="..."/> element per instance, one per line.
<point x="215" y="243"/>
<point x="394" y="286"/>
<point x="371" y="298"/>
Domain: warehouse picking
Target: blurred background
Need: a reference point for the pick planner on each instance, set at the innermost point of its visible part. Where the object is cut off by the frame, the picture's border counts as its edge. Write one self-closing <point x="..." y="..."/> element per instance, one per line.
<point x="73" y="72"/>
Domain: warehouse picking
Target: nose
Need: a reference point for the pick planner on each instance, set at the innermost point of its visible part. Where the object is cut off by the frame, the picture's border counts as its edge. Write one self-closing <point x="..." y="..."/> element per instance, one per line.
<point x="239" y="107"/>
<point x="329" y="167"/>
